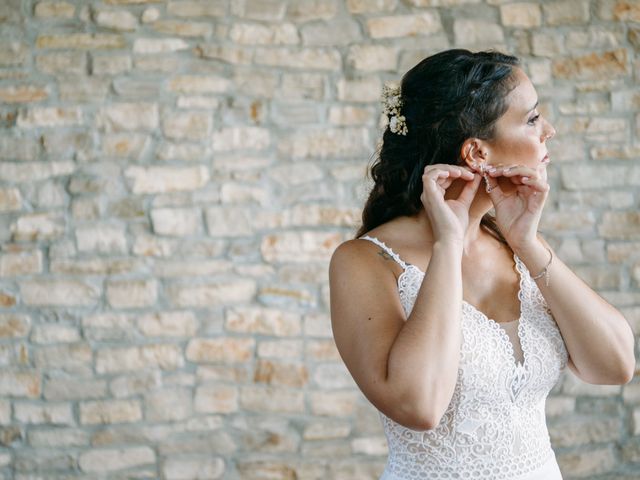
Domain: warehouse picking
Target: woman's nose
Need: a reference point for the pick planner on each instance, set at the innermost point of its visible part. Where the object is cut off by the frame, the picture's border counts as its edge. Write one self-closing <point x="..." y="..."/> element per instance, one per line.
<point x="549" y="132"/>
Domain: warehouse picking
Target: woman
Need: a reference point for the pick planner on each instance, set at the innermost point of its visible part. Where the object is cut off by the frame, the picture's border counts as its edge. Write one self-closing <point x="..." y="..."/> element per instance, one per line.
<point x="455" y="324"/>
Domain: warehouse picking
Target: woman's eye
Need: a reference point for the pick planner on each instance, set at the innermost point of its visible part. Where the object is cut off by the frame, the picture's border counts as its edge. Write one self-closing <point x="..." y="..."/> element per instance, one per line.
<point x="534" y="119"/>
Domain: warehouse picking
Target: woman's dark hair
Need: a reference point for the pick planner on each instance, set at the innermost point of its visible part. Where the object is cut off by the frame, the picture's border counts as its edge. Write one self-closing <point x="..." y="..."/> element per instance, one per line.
<point x="447" y="98"/>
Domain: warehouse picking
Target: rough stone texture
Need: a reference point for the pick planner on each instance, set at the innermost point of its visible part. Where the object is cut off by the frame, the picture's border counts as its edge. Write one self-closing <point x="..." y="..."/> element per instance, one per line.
<point x="175" y="176"/>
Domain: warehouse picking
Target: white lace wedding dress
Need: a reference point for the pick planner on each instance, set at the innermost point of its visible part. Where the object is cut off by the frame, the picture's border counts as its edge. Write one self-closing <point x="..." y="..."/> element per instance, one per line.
<point x="495" y="426"/>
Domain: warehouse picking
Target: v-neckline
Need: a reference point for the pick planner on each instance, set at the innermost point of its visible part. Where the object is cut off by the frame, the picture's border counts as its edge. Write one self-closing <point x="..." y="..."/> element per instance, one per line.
<point x="492" y="324"/>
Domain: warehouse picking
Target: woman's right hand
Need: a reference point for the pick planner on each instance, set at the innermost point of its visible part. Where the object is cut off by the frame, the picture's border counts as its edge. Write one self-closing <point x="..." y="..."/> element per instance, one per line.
<point x="449" y="218"/>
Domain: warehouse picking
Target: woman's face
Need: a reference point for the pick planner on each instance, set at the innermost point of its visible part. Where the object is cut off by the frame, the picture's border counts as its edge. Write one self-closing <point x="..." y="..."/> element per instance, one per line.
<point x="521" y="133"/>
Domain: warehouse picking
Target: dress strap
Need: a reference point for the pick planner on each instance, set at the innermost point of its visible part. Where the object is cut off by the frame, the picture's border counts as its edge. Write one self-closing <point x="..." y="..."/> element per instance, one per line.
<point x="390" y="252"/>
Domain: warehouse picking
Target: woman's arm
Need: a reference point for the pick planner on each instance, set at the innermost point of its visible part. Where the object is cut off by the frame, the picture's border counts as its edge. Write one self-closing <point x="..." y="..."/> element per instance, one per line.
<point x="406" y="368"/>
<point x="599" y="339"/>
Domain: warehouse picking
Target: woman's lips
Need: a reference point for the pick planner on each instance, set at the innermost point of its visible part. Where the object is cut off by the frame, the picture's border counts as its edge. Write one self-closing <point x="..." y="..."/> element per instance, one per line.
<point x="546" y="159"/>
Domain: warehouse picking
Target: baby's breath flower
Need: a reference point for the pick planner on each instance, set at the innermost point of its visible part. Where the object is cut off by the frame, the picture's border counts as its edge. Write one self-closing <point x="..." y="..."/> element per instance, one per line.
<point x="391" y="103"/>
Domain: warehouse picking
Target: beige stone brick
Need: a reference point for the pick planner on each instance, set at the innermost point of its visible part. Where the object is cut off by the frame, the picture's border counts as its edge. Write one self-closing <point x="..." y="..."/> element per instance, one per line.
<point x="216" y="399"/>
<point x="83" y="41"/>
<point x="150" y="15"/>
<point x="59" y="437"/>
<point x="183" y="467"/>
<point x="284" y="33"/>
<point x="128" y="116"/>
<point x="102" y="460"/>
<point x="280" y="373"/>
<point x="176" y="222"/>
<point x="69" y="293"/>
<point x="566" y="12"/>
<point x="586" y="463"/>
<point x="65" y="387"/>
<point x="224" y="349"/>
<point x="110" y="64"/>
<point x="191" y="125"/>
<point x="14" y="325"/>
<point x="425" y="23"/>
<point x="372" y="58"/>
<point x="54" y="10"/>
<point x="49" y="117"/>
<point x="272" y="399"/>
<point x="280" y="349"/>
<point x="68" y="63"/>
<point x="350" y="116"/>
<point x="370" y="445"/>
<point x="167" y="179"/>
<point x="116" y="19"/>
<point x="620" y="10"/>
<point x="168" y="404"/>
<point x="12" y="52"/>
<point x="23" y="94"/>
<point x="156" y="64"/>
<point x="102" y="238"/>
<point x="135" y="383"/>
<point x="168" y="324"/>
<point x="229" y="221"/>
<point x="19" y="383"/>
<point x="333" y="404"/>
<point x="165" y="357"/>
<point x="306" y="10"/>
<point x="620" y="225"/>
<point x="299" y="246"/>
<point x="84" y="90"/>
<point x="241" y="138"/>
<point x="326" y="430"/>
<point x="125" y="145"/>
<point x="364" y="89"/>
<point x="574" y="430"/>
<point x="132" y="293"/>
<point x="328" y="142"/>
<point x="371" y="6"/>
<point x="10" y="199"/>
<point x="20" y="263"/>
<point x="75" y="358"/>
<point x="197" y="8"/>
<point x="147" y="46"/>
<point x="199" y="84"/>
<point x="477" y="32"/>
<point x="232" y="54"/>
<point x="198" y="101"/>
<point x="447" y="3"/>
<point x="264" y="321"/>
<point x="612" y="63"/>
<point x="49" y="334"/>
<point x="329" y="376"/>
<point x="303" y="86"/>
<point x="306" y="58"/>
<point x="50" y="414"/>
<point x="321" y="350"/>
<point x="338" y="32"/>
<point x="183" y="29"/>
<point x="523" y="15"/>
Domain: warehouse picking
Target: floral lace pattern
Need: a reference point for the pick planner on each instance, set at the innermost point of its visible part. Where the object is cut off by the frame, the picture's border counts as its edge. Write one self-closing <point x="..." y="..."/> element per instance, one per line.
<point x="495" y="425"/>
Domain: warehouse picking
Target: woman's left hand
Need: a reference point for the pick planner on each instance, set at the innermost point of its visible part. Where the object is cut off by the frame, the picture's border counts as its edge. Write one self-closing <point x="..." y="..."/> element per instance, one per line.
<point x="518" y="210"/>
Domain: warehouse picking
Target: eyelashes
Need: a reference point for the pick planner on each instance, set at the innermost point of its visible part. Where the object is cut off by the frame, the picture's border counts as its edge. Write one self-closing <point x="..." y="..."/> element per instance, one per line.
<point x="534" y="119"/>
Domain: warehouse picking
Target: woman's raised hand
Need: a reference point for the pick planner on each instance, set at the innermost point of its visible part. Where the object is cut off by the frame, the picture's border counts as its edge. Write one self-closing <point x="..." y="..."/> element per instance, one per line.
<point x="518" y="211"/>
<point x="449" y="218"/>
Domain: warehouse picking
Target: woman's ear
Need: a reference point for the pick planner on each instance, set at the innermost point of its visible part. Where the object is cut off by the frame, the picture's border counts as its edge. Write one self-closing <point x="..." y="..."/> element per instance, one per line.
<point x="474" y="154"/>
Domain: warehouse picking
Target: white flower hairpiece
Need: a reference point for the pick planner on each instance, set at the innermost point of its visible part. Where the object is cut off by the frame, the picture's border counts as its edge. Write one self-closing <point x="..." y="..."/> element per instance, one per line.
<point x="391" y="103"/>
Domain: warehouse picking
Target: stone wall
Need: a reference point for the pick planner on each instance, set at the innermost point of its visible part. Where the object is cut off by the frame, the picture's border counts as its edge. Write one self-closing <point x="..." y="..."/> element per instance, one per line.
<point x="175" y="176"/>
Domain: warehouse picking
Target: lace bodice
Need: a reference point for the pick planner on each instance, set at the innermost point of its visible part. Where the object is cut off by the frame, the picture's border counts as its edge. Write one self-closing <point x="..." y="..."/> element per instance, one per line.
<point x="495" y="425"/>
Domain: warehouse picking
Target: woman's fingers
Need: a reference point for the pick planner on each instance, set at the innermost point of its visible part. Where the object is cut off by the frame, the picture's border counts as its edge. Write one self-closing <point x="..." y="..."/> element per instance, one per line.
<point x="522" y="175"/>
<point x="468" y="193"/>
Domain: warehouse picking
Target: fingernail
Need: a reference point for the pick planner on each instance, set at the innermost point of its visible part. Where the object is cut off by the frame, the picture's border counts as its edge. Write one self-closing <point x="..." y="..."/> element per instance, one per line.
<point x="525" y="179"/>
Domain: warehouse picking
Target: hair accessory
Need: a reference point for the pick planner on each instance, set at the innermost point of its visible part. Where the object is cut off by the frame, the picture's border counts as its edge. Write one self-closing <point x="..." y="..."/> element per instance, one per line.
<point x="545" y="271"/>
<point x="391" y="103"/>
